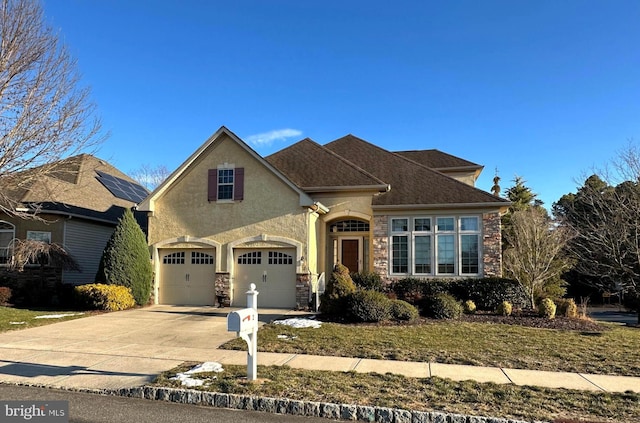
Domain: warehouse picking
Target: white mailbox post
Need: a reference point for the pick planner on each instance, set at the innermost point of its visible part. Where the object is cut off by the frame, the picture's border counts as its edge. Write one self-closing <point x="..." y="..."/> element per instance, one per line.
<point x="245" y="323"/>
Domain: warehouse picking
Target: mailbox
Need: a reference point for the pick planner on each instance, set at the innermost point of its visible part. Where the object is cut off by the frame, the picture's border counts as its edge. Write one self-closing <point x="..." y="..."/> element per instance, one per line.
<point x="243" y="321"/>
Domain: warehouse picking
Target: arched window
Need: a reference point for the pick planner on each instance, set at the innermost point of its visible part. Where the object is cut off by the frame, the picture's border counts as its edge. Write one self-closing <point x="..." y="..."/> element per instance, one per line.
<point x="7" y="235"/>
<point x="350" y="225"/>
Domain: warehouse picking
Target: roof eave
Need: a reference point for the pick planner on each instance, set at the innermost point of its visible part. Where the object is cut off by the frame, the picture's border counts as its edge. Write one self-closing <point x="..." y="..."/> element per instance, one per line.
<point x="350" y="188"/>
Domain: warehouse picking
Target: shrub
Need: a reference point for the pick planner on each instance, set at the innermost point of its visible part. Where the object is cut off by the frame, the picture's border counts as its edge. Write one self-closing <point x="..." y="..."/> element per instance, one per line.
<point x="442" y="306"/>
<point x="488" y="293"/>
<point x="99" y="296"/>
<point x="566" y="307"/>
<point x="368" y="281"/>
<point x="504" y="308"/>
<point x="547" y="308"/>
<point x="369" y="306"/>
<point x="334" y="300"/>
<point x="5" y="294"/>
<point x="413" y="290"/>
<point x="125" y="260"/>
<point x="469" y="307"/>
<point x="402" y="310"/>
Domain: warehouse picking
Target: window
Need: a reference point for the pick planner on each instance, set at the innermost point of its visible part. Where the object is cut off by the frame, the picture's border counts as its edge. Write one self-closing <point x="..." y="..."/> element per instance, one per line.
<point x="226" y="183"/>
<point x="7" y="234"/>
<point x="201" y="258"/>
<point x="351" y="225"/>
<point x="438" y="245"/>
<point x="39" y="236"/>
<point x="276" y="257"/>
<point x="253" y="257"/>
<point x="174" y="258"/>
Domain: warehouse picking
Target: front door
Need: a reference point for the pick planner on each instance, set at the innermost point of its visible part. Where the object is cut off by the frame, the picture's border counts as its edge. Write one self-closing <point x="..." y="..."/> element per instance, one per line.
<point x="350" y="254"/>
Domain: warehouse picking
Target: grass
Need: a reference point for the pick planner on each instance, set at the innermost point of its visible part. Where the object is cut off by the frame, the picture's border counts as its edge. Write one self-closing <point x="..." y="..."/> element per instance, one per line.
<point x="612" y="351"/>
<point x="19" y="318"/>
<point x="481" y="399"/>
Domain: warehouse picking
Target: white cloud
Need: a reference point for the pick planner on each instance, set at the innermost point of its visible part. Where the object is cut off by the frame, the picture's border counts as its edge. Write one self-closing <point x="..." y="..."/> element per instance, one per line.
<point x="267" y="138"/>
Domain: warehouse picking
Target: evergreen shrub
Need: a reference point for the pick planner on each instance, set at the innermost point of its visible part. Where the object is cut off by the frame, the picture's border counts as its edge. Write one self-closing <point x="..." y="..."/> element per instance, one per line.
<point x="402" y="310"/>
<point x="126" y="261"/>
<point x="505" y="308"/>
<point x="335" y="299"/>
<point x="469" y="307"/>
<point x="368" y="281"/>
<point x="547" y="308"/>
<point x="566" y="307"/>
<point x="369" y="306"/>
<point x="97" y="296"/>
<point x="442" y="306"/>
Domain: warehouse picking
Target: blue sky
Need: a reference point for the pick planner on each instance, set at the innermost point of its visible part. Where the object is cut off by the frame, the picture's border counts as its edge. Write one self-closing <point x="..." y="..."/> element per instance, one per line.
<point x="541" y="89"/>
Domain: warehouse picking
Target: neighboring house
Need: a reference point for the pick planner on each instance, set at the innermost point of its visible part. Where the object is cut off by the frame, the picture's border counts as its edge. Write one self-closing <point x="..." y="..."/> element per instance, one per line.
<point x="228" y="217"/>
<point x="78" y="207"/>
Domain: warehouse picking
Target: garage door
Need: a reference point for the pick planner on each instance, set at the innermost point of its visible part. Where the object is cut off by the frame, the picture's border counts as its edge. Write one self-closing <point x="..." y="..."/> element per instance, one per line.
<point x="187" y="277"/>
<point x="273" y="272"/>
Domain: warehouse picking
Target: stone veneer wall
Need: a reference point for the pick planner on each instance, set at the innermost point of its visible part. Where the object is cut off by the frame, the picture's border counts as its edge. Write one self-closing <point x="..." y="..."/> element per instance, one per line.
<point x="303" y="290"/>
<point x="381" y="245"/>
<point x="492" y="244"/>
<point x="223" y="287"/>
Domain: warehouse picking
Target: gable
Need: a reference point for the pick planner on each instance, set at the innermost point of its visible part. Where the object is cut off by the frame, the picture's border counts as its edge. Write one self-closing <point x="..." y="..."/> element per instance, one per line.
<point x="223" y="150"/>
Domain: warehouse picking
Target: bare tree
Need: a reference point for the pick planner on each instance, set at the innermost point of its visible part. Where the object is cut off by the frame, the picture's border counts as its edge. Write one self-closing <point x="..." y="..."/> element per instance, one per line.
<point x="150" y="177"/>
<point x="605" y="213"/>
<point x="44" y="114"/>
<point x="535" y="253"/>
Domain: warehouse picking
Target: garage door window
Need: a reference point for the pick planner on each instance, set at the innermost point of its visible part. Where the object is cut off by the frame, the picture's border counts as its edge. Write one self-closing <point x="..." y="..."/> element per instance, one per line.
<point x="276" y="257"/>
<point x="254" y="257"/>
<point x="174" y="258"/>
<point x="201" y="258"/>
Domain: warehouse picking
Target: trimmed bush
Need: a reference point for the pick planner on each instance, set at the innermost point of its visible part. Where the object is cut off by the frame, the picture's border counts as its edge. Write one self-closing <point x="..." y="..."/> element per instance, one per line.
<point x="368" y="281"/>
<point x="566" y="307"/>
<point x="335" y="299"/>
<point x="504" y="308"/>
<point x="414" y="291"/>
<point x="442" y="306"/>
<point x="97" y="296"/>
<point x="126" y="261"/>
<point x="547" y="308"/>
<point x="488" y="293"/>
<point x="469" y="307"/>
<point x="402" y="310"/>
<point x="369" y="306"/>
<point x="5" y="294"/>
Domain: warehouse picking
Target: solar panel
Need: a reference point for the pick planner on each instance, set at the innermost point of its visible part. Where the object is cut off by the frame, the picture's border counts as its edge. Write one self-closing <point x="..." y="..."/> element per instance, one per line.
<point x="121" y="188"/>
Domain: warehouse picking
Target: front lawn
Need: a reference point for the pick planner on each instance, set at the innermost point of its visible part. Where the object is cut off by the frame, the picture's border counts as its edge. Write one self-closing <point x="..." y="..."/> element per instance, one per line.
<point x="19" y="318"/>
<point x="428" y="394"/>
<point x="611" y="349"/>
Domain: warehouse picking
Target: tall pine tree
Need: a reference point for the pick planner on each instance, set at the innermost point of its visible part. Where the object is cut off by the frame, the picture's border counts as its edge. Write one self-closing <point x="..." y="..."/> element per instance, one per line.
<point x="125" y="260"/>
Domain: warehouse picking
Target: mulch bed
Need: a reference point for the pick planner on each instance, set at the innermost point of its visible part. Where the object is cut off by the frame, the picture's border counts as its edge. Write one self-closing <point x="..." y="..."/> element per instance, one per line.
<point x="531" y="319"/>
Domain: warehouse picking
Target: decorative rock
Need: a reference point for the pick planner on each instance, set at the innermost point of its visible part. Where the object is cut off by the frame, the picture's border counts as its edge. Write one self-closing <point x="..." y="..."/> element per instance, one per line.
<point x="475" y="419"/>
<point x="438" y="417"/>
<point x="420" y="417"/>
<point x="457" y="418"/>
<point x="402" y="416"/>
<point x="221" y="400"/>
<point x="266" y="405"/>
<point x="295" y="408"/>
<point x="209" y="398"/>
<point x="384" y="415"/>
<point x="366" y="414"/>
<point x="312" y="409"/>
<point x="329" y="411"/>
<point x="149" y="392"/>
<point x="348" y="412"/>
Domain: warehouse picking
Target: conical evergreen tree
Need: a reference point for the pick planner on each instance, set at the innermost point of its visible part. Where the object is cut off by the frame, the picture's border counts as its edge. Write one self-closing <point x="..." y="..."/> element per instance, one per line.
<point x="125" y="260"/>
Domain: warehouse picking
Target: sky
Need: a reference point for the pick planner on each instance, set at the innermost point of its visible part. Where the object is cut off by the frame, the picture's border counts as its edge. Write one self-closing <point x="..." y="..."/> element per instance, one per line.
<point x="542" y="89"/>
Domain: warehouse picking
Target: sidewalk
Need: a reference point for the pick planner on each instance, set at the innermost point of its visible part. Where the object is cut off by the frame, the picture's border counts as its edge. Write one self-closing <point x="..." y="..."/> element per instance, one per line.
<point x="130" y="348"/>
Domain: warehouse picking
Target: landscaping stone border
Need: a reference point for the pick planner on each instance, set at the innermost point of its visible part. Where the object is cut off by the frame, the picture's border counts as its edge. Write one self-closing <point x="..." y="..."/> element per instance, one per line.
<point x="347" y="412"/>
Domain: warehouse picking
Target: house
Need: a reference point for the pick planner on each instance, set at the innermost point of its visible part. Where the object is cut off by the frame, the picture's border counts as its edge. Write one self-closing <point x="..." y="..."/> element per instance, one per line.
<point x="228" y="217"/>
<point x="78" y="206"/>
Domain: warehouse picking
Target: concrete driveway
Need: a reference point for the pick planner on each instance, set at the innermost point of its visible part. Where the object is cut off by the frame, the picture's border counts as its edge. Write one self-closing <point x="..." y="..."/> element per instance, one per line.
<point x="120" y="349"/>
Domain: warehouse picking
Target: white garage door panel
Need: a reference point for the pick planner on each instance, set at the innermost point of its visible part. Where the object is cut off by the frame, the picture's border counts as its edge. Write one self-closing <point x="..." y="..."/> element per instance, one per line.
<point x="273" y="272"/>
<point x="187" y="277"/>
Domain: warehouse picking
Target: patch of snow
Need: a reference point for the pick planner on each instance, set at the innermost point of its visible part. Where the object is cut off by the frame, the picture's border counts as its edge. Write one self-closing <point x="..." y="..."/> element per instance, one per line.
<point x="17" y="323"/>
<point x="57" y="316"/>
<point x="297" y="322"/>
<point x="206" y="367"/>
<point x="287" y="337"/>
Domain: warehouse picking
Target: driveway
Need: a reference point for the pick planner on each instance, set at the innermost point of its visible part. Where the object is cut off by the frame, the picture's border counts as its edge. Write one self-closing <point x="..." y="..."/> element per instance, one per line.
<point x="613" y="315"/>
<point x="120" y="349"/>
